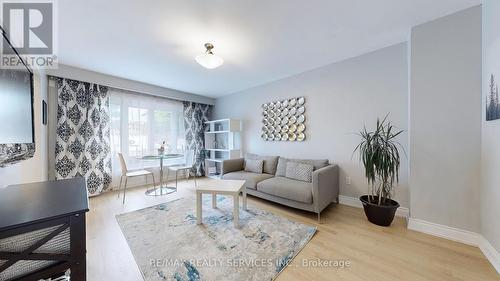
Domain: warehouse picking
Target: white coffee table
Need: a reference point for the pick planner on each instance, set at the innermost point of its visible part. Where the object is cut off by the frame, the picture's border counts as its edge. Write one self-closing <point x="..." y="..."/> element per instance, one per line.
<point x="227" y="187"/>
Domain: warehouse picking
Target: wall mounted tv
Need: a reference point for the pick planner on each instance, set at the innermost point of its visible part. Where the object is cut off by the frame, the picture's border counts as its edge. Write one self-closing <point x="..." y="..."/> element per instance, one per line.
<point x="16" y="100"/>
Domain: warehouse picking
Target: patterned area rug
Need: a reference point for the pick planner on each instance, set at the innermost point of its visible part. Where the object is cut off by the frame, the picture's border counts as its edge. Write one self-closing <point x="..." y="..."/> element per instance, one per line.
<point x="168" y="244"/>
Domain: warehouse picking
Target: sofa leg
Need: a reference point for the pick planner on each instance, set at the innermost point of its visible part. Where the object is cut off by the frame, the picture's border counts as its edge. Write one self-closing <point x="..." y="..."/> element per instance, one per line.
<point x="319" y="217"/>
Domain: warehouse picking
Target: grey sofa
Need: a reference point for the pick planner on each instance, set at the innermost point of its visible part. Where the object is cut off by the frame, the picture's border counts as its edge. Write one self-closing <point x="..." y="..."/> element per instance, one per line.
<point x="272" y="184"/>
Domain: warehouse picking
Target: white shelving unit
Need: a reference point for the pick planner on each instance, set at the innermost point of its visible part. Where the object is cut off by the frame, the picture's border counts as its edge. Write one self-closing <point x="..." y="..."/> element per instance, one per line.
<point x="222" y="141"/>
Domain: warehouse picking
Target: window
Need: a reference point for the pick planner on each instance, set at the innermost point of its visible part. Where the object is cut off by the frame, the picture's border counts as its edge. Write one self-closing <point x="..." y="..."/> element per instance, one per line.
<point x="138" y="131"/>
<point x="140" y="124"/>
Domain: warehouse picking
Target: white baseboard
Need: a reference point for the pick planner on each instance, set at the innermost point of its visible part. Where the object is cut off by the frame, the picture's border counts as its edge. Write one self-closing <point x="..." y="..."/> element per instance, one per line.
<point x="443" y="231"/>
<point x="490" y="252"/>
<point x="458" y="235"/>
<point x="354" y="202"/>
<point x="439" y="230"/>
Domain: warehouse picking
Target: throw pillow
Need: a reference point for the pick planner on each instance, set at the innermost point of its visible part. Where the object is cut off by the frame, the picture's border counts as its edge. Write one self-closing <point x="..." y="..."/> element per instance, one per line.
<point x="281" y="168"/>
<point x="270" y="162"/>
<point x="253" y="165"/>
<point x="317" y="164"/>
<point x="299" y="171"/>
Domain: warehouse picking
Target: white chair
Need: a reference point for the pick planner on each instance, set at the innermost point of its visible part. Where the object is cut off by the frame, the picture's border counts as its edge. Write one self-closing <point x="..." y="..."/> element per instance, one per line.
<point x="127" y="174"/>
<point x="189" y="162"/>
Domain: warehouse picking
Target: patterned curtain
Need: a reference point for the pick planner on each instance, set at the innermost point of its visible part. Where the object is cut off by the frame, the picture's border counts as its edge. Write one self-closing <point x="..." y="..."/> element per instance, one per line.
<point x="195" y="116"/>
<point x="82" y="146"/>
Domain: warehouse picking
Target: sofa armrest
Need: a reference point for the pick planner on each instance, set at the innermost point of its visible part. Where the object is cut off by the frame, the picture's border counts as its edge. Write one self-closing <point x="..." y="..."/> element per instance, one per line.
<point x="325" y="187"/>
<point x="232" y="165"/>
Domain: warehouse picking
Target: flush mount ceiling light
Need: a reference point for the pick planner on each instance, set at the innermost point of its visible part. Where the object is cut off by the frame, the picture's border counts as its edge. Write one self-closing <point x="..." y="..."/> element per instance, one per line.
<point x="209" y="59"/>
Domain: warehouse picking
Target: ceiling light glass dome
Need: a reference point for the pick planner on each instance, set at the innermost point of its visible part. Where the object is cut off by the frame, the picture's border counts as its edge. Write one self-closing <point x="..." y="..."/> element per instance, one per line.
<point x="209" y="59"/>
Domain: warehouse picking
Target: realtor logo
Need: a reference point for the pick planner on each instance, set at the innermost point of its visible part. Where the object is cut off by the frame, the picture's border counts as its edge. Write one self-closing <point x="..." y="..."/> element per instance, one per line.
<point x="30" y="27"/>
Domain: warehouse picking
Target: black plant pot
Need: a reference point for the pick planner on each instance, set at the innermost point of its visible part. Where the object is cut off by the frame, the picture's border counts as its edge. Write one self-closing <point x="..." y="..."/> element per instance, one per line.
<point x="382" y="215"/>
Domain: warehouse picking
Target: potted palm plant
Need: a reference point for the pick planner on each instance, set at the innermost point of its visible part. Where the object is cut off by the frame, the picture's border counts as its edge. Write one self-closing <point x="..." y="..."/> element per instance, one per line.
<point x="379" y="153"/>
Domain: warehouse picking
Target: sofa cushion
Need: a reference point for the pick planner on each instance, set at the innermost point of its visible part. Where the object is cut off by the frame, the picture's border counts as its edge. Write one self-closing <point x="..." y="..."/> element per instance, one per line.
<point x="254" y="165"/>
<point x="251" y="178"/>
<point x="270" y="162"/>
<point x="281" y="168"/>
<point x="299" y="171"/>
<point x="287" y="188"/>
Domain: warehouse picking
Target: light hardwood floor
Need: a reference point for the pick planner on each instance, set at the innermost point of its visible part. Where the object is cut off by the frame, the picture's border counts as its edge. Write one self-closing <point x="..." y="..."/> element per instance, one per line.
<point x="375" y="253"/>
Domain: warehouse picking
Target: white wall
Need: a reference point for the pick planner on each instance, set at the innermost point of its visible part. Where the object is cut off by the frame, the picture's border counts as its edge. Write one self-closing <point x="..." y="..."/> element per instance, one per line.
<point x="445" y="120"/>
<point x="490" y="156"/>
<point x="33" y="169"/>
<point x="340" y="99"/>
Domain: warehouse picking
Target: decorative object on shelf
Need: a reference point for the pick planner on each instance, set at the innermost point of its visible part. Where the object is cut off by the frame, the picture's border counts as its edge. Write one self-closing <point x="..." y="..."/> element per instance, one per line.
<point x="284" y="120"/>
<point x="379" y="153"/>
<point x="209" y="59"/>
<point x="218" y="127"/>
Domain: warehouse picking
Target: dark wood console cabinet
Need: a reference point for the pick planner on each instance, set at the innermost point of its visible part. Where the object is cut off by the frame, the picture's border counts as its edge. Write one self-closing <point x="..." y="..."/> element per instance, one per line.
<point x="42" y="230"/>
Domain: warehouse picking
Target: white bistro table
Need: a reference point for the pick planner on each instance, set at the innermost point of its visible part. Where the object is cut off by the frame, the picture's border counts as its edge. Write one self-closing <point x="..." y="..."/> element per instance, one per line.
<point x="226" y="187"/>
<point x="164" y="188"/>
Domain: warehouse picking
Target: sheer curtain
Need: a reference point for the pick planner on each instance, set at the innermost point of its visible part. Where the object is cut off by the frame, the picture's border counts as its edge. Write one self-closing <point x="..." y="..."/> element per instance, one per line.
<point x="139" y="125"/>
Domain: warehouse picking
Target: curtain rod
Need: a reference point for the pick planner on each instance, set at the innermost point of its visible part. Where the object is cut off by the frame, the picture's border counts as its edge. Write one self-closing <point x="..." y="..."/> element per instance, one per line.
<point x="51" y="77"/>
